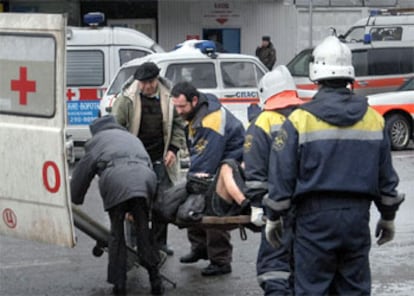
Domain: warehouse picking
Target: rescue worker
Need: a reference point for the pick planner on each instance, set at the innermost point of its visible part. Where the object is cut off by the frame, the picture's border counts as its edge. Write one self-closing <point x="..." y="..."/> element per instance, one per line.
<point x="213" y="134"/>
<point x="145" y="109"/>
<point x="335" y="156"/>
<point x="278" y="95"/>
<point x="266" y="52"/>
<point x="126" y="183"/>
<point x="277" y="92"/>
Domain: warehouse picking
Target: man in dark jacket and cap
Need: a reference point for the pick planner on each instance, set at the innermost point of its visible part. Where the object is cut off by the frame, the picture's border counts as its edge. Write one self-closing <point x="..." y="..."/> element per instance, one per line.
<point x="266" y="52"/>
<point x="126" y="182"/>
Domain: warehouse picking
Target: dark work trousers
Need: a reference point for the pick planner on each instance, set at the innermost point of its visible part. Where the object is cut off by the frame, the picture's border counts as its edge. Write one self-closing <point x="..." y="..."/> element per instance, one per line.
<point x="331" y="245"/>
<point x="160" y="230"/>
<point x="117" y="255"/>
<point x="273" y="266"/>
<point x="213" y="241"/>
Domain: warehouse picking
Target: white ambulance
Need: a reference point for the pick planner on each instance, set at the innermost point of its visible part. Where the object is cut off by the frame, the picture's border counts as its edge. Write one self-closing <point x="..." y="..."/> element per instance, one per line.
<point x="35" y="199"/>
<point x="233" y="78"/>
<point x="383" y="25"/>
<point x="94" y="54"/>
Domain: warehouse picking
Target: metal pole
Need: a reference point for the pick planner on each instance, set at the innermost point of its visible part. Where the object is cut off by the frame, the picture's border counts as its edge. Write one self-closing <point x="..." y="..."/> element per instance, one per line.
<point x="310" y="23"/>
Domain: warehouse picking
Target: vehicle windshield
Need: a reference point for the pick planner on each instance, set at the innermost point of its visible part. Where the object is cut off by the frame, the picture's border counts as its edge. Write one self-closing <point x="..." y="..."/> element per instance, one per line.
<point x="121" y="79"/>
<point x="299" y="65"/>
<point x="355" y="34"/>
<point x="408" y="85"/>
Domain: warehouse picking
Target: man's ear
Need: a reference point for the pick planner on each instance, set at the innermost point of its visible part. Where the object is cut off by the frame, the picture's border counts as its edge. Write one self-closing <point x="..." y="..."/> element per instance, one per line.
<point x="194" y="102"/>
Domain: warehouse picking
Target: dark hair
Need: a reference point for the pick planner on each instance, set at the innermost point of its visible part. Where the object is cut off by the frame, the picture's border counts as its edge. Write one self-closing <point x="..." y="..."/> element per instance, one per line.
<point x="335" y="83"/>
<point x="185" y="88"/>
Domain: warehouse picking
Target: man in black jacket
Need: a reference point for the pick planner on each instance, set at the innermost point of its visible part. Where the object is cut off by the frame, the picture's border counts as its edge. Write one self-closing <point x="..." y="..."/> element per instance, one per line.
<point x="126" y="183"/>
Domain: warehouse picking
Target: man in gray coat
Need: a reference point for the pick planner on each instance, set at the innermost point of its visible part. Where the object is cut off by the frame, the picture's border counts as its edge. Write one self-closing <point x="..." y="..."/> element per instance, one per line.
<point x="126" y="182"/>
<point x="146" y="110"/>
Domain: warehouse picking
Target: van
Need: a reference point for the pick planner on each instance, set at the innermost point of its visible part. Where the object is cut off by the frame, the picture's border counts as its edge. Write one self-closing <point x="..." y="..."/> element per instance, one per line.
<point x="380" y="66"/>
<point x="383" y="25"/>
<point x="94" y="54"/>
<point x="233" y="78"/>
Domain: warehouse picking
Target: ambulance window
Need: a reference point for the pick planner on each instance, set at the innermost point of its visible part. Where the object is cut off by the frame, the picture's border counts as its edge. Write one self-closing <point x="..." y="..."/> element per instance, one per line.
<point x="85" y="68"/>
<point x="123" y="77"/>
<point x="386" y="33"/>
<point x="239" y="74"/>
<point x="389" y="61"/>
<point x="259" y="74"/>
<point x="125" y="55"/>
<point x="201" y="75"/>
<point x="360" y="62"/>
<point x="299" y="65"/>
<point x="355" y="34"/>
<point x="27" y="77"/>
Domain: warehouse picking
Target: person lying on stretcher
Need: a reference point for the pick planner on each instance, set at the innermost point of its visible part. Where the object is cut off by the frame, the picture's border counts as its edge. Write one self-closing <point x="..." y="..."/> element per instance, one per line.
<point x="240" y="189"/>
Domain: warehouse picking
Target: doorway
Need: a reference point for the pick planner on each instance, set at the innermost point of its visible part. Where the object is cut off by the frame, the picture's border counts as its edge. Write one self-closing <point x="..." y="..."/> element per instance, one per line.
<point x="227" y="40"/>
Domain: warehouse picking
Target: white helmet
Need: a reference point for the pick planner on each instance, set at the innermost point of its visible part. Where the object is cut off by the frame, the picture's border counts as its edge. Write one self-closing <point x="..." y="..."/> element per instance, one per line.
<point x="332" y="59"/>
<point x="275" y="82"/>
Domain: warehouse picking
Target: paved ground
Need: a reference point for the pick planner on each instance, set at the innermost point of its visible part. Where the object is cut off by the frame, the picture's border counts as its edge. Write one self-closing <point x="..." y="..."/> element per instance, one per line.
<point x="30" y="268"/>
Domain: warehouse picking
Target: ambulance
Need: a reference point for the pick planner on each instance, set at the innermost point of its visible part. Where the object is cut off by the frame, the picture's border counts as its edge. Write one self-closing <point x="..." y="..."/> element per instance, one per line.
<point x="383" y="25"/>
<point x="233" y="78"/>
<point x="35" y="199"/>
<point x="380" y="66"/>
<point x="94" y="54"/>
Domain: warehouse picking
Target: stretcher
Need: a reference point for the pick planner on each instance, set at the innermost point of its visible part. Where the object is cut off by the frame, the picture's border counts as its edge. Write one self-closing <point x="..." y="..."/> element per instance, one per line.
<point x="100" y="234"/>
<point x="240" y="222"/>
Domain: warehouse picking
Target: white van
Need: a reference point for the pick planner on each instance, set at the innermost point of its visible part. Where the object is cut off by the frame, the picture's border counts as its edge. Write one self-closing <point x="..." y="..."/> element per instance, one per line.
<point x="233" y="78"/>
<point x="380" y="66"/>
<point x="383" y="25"/>
<point x="94" y="54"/>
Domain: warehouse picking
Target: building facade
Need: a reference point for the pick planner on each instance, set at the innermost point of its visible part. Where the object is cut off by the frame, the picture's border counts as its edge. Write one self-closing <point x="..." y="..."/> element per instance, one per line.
<point x="237" y="24"/>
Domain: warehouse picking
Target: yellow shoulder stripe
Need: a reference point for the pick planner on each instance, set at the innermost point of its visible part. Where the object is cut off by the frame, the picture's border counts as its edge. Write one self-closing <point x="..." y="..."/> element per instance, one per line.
<point x="268" y="121"/>
<point x="306" y="122"/>
<point x="214" y="121"/>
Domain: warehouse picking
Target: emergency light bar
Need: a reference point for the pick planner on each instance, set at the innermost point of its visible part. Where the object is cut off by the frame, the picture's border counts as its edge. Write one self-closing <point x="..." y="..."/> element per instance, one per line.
<point x="207" y="47"/>
<point x="391" y="11"/>
<point x="94" y="19"/>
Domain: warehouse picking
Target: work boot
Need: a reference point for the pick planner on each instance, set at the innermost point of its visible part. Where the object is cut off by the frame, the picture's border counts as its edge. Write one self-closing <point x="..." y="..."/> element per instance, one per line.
<point x="193" y="257"/>
<point x="157" y="287"/>
<point x="215" y="269"/>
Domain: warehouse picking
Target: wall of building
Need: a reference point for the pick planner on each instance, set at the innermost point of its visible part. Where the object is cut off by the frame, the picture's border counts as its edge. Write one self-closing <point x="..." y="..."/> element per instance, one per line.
<point x="287" y="25"/>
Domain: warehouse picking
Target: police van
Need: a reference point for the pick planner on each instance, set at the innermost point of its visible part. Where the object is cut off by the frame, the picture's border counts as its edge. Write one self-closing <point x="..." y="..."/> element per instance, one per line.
<point x="94" y="54"/>
<point x="383" y="25"/>
<point x="380" y="66"/>
<point x="233" y="78"/>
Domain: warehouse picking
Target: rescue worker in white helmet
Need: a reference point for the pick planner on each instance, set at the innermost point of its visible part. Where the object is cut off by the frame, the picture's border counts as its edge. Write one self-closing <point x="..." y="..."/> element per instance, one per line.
<point x="335" y="157"/>
<point x="277" y="92"/>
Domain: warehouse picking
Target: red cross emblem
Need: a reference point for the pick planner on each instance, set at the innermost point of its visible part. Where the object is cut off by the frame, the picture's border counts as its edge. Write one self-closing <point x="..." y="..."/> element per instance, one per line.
<point x="23" y="86"/>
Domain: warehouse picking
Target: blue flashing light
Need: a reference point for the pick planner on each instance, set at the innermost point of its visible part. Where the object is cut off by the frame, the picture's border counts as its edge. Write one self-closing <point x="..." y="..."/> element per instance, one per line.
<point x="94" y="19"/>
<point x="207" y="47"/>
<point x="367" y="38"/>
<point x="374" y="12"/>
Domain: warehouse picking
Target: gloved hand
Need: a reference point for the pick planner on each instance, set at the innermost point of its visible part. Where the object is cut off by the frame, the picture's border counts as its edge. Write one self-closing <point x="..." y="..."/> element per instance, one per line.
<point x="273" y="232"/>
<point x="256" y="216"/>
<point x="385" y="231"/>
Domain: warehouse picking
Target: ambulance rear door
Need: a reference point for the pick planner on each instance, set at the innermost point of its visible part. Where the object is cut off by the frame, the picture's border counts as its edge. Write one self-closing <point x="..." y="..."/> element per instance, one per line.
<point x="34" y="192"/>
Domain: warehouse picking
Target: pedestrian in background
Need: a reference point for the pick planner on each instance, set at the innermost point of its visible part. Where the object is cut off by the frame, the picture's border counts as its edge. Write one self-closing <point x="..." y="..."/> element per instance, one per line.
<point x="213" y="134"/>
<point x="330" y="160"/>
<point x="145" y="109"/>
<point x="126" y="184"/>
<point x="266" y="52"/>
